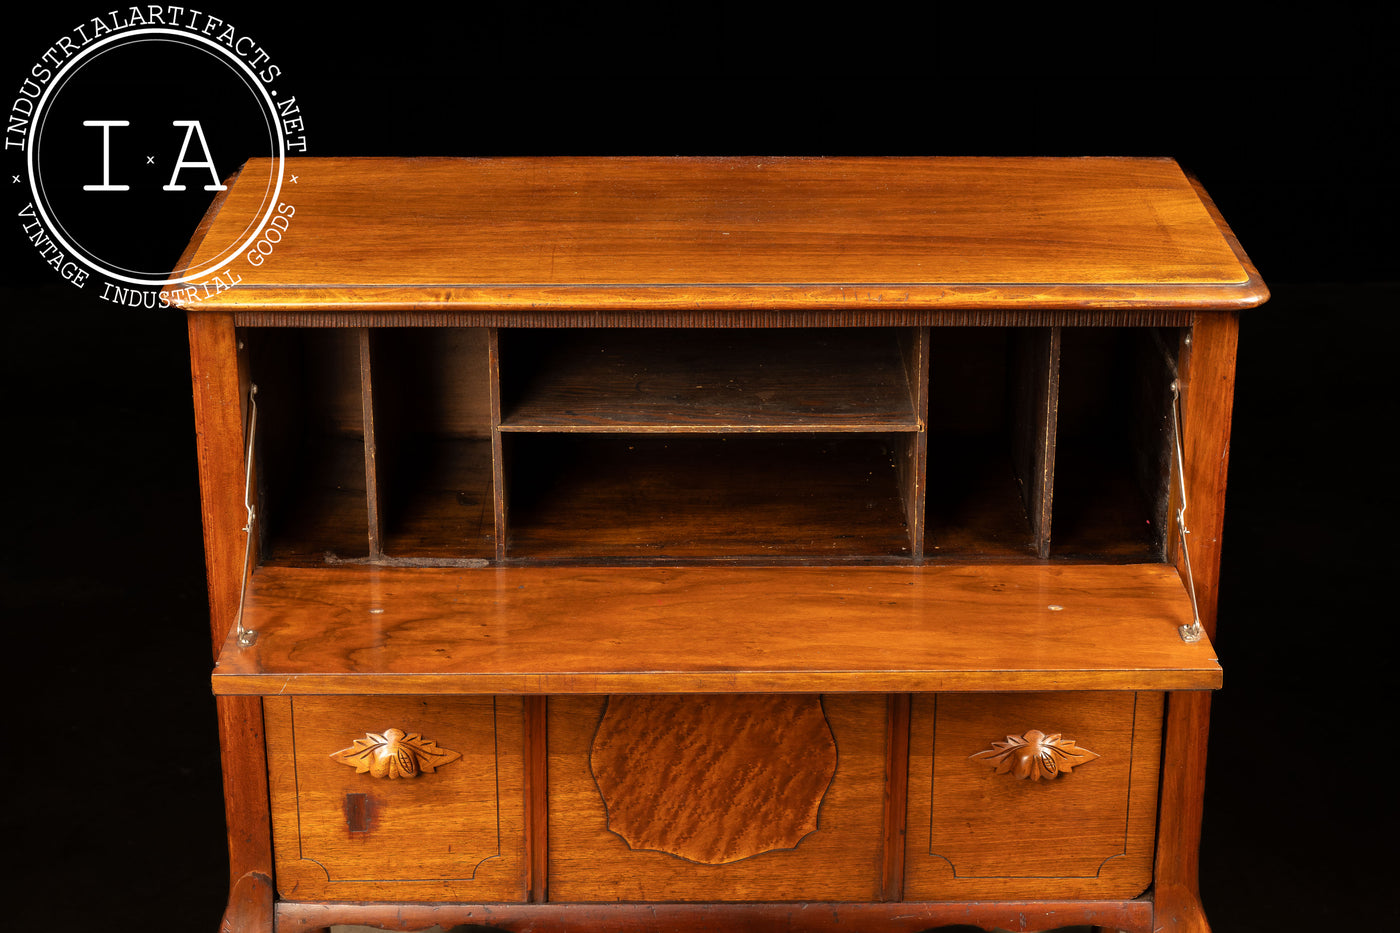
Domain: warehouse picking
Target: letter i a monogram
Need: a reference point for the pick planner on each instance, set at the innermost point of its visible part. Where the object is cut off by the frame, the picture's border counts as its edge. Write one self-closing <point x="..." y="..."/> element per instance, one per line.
<point x="192" y="128"/>
<point x="107" y="155"/>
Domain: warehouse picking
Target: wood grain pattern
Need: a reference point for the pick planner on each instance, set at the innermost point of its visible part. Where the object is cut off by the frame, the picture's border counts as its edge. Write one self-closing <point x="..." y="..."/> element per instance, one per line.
<point x="1208" y="375"/>
<point x="739" y="243"/>
<point x="250" y="905"/>
<point x="692" y="497"/>
<point x="711" y="381"/>
<point x="801" y="233"/>
<point x="896" y="797"/>
<point x="374" y="490"/>
<point x="219" y="415"/>
<point x="839" y="861"/>
<point x="713" y="779"/>
<point x="1035" y="410"/>
<point x="1208" y="370"/>
<point x="911" y="461"/>
<point x="220" y="387"/>
<point x="1131" y="916"/>
<point x="456" y="833"/>
<point x="536" y="798"/>
<point x="715" y="629"/>
<point x="974" y="833"/>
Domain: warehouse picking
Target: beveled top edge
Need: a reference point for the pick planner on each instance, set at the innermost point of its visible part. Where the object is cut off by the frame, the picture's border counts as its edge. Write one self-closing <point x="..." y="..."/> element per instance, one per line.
<point x="446" y="233"/>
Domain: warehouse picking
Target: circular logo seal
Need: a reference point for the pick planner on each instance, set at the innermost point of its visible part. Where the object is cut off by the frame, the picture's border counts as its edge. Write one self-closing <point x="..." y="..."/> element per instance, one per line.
<point x="130" y="127"/>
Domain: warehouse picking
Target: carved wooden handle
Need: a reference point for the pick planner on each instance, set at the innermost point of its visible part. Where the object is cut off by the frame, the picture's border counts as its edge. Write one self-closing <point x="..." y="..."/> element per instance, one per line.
<point x="1035" y="755"/>
<point x="395" y="754"/>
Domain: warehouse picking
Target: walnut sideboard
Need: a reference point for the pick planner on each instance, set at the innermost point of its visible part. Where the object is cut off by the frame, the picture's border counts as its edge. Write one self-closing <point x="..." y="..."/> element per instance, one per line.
<point x="736" y="543"/>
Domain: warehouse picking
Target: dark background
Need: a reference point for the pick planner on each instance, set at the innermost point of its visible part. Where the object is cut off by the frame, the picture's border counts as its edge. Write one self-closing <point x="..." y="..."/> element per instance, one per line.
<point x="113" y="816"/>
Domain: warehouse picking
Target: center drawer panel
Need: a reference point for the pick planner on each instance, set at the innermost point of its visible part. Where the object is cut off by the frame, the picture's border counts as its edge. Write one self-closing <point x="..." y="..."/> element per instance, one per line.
<point x="397" y="797"/>
<point x="716" y="797"/>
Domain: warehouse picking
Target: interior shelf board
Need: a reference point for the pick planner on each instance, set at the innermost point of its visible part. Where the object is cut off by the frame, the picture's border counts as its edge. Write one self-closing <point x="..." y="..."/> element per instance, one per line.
<point x="977" y="627"/>
<point x="710" y="381"/>
<point x="746" y="496"/>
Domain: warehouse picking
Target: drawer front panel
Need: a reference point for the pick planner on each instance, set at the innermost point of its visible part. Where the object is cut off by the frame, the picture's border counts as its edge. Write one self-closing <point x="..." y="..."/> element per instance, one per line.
<point x="1032" y="795"/>
<point x="747" y="797"/>
<point x="397" y="798"/>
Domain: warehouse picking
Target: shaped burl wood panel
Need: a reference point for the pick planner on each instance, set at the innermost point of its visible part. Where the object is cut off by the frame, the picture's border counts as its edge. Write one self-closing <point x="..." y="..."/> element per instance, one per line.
<point x="670" y="787"/>
<point x="747" y="797"/>
<point x="451" y="830"/>
<point x="985" y="825"/>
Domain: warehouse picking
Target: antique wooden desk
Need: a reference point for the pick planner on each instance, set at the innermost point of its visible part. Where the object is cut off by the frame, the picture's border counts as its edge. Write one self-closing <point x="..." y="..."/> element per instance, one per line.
<point x="717" y="543"/>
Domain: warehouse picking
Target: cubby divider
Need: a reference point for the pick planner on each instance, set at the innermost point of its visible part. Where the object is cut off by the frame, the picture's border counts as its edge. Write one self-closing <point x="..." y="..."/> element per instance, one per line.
<point x="1035" y="398"/>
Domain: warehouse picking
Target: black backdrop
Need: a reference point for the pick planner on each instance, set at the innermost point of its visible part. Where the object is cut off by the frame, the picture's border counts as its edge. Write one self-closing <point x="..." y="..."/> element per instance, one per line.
<point x="114" y="814"/>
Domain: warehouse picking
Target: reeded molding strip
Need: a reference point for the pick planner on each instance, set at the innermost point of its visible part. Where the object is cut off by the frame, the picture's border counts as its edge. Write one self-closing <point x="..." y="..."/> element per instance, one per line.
<point x="395" y="754"/>
<point x="1035" y="755"/>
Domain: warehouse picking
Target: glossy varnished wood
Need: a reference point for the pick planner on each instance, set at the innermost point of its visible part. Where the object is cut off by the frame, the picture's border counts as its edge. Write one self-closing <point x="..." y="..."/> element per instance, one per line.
<point x="704" y="497"/>
<point x="1133" y="916"/>
<point x="1208" y="372"/>
<point x="738" y="232"/>
<point x="837" y="857"/>
<point x="457" y="833"/>
<point x="896" y="797"/>
<point x="714" y="778"/>
<point x="463" y="457"/>
<point x="219" y="388"/>
<point x="636" y="381"/>
<point x="976" y="833"/>
<point x="712" y="629"/>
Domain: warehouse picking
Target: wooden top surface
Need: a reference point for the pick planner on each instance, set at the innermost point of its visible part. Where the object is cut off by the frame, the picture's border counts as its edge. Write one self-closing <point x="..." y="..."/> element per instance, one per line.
<point x="731" y="233"/>
<point x="364" y="629"/>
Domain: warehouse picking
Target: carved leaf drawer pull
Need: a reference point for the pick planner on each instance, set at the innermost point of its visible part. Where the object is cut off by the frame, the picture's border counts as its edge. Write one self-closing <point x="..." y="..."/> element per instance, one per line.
<point x="1035" y="755"/>
<point x="395" y="754"/>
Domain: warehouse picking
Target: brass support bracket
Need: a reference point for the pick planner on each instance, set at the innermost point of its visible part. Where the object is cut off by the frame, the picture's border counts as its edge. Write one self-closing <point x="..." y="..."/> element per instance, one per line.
<point x="1192" y="632"/>
<point x="246" y="636"/>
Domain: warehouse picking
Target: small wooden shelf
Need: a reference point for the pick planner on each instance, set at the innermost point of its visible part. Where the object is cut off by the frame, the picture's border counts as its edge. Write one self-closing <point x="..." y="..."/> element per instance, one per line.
<point x="706" y="381"/>
<point x="368" y="630"/>
<point x="712" y="497"/>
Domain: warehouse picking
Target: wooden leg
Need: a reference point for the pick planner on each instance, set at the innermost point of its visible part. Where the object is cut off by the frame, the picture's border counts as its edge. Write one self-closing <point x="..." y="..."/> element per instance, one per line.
<point x="249" y="905"/>
<point x="1177" y="909"/>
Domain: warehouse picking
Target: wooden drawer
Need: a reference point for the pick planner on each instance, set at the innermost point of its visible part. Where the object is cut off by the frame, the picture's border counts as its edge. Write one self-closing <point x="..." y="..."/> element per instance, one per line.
<point x="724" y="797"/>
<point x="360" y="825"/>
<point x="1080" y="826"/>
